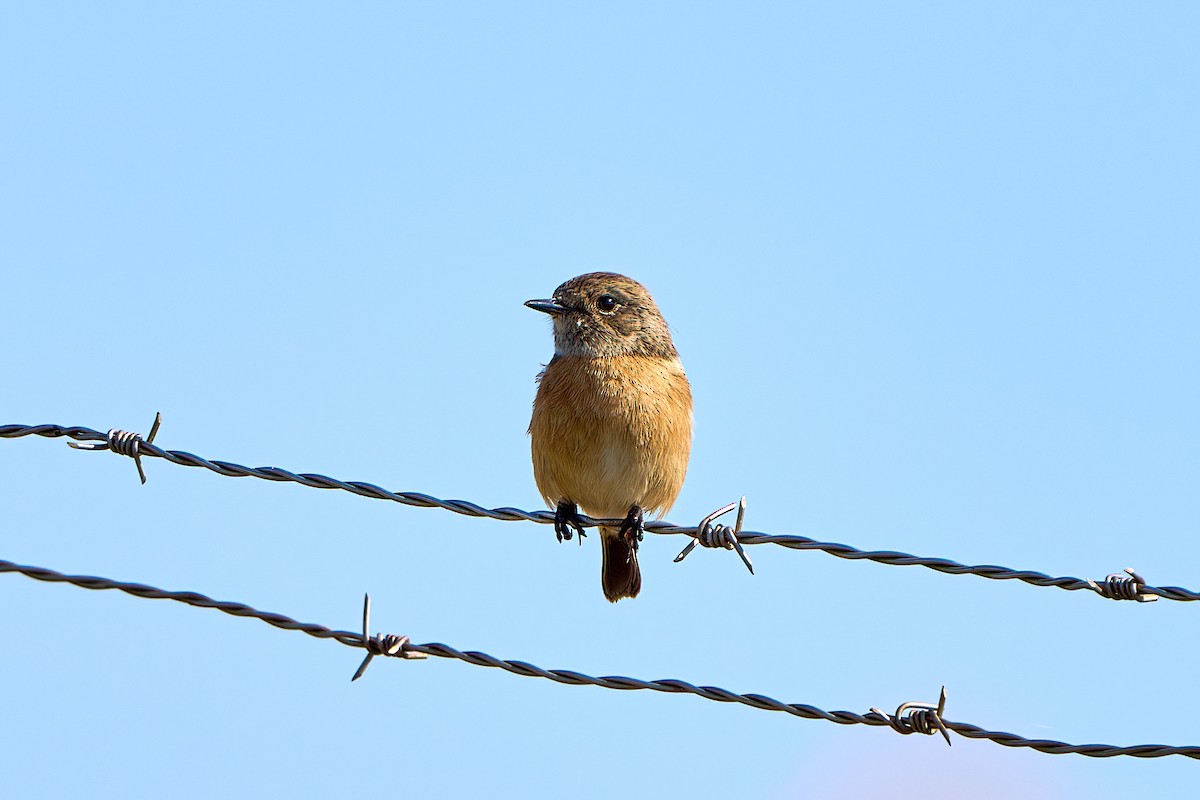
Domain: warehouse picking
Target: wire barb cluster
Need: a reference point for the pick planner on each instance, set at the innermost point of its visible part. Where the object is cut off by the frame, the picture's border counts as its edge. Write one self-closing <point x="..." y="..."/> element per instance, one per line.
<point x="909" y="717"/>
<point x="1130" y="586"/>
<point x="710" y="535"/>
<point x="362" y="489"/>
<point x="915" y="717"/>
<point x="125" y="443"/>
<point x="380" y="644"/>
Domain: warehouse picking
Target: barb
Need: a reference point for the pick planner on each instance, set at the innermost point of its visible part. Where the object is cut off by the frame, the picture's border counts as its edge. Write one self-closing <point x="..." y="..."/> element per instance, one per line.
<point x="710" y="535"/>
<point x="1130" y="586"/>
<point x="125" y="443"/>
<point x="506" y="514"/>
<point x="923" y="718"/>
<point x="406" y="649"/>
<point x="381" y="645"/>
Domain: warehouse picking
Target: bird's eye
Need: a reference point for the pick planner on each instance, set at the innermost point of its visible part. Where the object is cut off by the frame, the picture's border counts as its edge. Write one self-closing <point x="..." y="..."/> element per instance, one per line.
<point x="606" y="302"/>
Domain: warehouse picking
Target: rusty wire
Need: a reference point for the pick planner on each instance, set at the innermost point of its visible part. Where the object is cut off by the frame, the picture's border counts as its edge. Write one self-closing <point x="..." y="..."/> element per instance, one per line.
<point x="909" y="717"/>
<point x="1108" y="588"/>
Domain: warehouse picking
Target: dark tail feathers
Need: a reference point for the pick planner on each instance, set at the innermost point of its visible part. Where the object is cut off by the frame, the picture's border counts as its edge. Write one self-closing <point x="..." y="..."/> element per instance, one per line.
<point x="619" y="573"/>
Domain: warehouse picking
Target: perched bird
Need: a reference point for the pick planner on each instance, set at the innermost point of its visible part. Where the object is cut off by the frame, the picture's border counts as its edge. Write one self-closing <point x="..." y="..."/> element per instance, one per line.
<point x="612" y="421"/>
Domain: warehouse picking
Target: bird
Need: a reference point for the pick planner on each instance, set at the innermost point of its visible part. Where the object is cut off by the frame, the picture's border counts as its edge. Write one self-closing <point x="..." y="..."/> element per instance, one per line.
<point x="611" y="431"/>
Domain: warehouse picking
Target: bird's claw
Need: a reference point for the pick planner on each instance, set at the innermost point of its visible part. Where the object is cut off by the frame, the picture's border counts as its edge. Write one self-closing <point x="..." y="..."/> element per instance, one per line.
<point x="566" y="517"/>
<point x="633" y="527"/>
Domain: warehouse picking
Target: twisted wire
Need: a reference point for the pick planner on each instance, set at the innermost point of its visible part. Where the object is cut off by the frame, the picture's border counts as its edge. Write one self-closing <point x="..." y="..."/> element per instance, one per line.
<point x="124" y="442"/>
<point x="401" y="647"/>
<point x="507" y="514"/>
<point x="922" y="720"/>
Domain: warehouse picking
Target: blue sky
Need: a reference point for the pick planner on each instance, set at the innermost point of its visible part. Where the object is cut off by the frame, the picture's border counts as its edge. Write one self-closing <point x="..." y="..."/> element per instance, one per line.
<point x="931" y="267"/>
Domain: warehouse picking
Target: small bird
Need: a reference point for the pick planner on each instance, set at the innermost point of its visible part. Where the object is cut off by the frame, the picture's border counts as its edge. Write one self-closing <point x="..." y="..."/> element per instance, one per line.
<point x="612" y="420"/>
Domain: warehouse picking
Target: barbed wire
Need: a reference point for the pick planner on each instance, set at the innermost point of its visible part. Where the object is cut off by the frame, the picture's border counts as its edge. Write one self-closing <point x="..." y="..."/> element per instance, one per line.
<point x="909" y="717"/>
<point x="1114" y="587"/>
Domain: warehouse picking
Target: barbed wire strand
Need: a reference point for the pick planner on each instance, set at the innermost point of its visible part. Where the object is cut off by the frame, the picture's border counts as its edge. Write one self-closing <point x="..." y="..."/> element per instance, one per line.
<point x="909" y="717"/>
<point x="1115" y="587"/>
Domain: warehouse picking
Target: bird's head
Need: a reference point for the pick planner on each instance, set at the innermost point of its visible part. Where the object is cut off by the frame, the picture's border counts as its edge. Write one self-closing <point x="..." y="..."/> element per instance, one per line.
<point x="602" y="314"/>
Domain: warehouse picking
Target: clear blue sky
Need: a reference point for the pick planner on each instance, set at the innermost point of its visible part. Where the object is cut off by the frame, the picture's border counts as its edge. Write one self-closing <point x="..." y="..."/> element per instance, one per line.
<point x="932" y="269"/>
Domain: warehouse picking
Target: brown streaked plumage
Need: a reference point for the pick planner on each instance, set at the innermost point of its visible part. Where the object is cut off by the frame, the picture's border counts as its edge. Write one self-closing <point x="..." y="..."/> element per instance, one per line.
<point x="612" y="421"/>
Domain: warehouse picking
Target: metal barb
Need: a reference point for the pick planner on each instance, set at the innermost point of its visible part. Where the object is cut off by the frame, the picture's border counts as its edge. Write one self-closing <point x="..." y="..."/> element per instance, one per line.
<point x="381" y="644"/>
<point x="710" y="535"/>
<point x="124" y="443"/>
<point x="913" y="717"/>
<point x="1124" y="587"/>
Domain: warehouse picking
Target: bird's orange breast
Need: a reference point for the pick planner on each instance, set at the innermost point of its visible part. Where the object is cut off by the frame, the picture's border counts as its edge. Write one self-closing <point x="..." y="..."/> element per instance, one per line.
<point x="609" y="433"/>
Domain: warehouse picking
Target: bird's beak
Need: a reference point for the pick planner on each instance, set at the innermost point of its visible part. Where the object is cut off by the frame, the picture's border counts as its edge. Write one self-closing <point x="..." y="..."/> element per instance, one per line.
<point x="546" y="307"/>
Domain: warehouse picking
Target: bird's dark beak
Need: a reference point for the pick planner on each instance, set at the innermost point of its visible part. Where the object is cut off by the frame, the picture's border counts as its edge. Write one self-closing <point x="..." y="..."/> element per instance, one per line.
<point x="546" y="307"/>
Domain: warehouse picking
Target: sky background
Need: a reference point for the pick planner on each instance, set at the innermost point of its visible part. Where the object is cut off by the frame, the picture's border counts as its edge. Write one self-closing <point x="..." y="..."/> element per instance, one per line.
<point x="932" y="269"/>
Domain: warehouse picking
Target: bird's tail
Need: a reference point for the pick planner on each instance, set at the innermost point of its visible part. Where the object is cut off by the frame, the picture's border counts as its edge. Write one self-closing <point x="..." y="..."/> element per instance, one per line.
<point x="619" y="573"/>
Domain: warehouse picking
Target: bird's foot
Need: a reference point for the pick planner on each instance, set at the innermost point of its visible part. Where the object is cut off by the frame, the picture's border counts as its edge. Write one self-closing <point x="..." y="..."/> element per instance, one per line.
<point x="633" y="529"/>
<point x="566" y="517"/>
